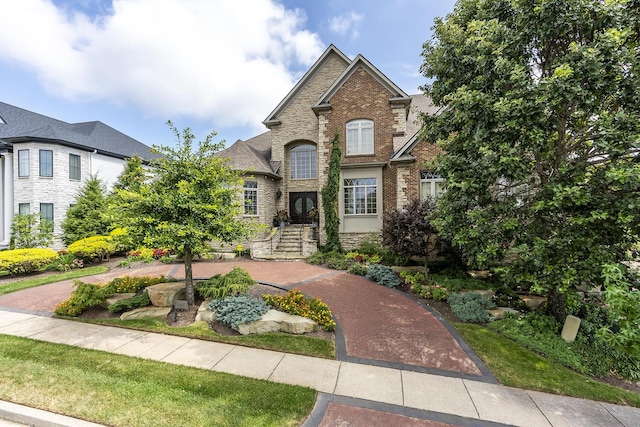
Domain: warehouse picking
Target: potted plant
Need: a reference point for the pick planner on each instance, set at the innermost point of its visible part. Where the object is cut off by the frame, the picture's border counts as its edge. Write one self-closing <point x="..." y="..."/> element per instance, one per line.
<point x="282" y="217"/>
<point x="313" y="216"/>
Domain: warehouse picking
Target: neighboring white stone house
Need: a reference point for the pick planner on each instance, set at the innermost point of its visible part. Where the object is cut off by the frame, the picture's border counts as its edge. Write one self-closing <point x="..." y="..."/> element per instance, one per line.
<point x="45" y="162"/>
<point x="384" y="162"/>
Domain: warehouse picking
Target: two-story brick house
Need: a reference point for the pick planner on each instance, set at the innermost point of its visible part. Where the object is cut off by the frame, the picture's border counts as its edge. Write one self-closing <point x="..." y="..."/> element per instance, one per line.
<point x="383" y="159"/>
<point x="45" y="162"/>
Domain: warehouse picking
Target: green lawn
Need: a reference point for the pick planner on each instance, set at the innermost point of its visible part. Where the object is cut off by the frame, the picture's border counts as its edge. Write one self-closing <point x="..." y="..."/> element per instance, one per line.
<point x="39" y="281"/>
<point x="119" y="390"/>
<point x="287" y="343"/>
<point x="515" y="366"/>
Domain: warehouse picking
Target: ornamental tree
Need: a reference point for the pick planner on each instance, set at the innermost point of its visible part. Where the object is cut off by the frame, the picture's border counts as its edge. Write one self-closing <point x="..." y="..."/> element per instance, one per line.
<point x="190" y="201"/>
<point x="539" y="123"/>
<point x="411" y="230"/>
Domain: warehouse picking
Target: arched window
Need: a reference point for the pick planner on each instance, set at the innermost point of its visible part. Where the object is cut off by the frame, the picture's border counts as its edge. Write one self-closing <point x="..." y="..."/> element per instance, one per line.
<point x="303" y="161"/>
<point x="359" y="137"/>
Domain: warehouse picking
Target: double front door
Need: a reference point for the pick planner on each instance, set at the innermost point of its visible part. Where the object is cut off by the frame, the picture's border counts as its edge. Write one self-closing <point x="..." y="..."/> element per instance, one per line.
<point x="300" y="204"/>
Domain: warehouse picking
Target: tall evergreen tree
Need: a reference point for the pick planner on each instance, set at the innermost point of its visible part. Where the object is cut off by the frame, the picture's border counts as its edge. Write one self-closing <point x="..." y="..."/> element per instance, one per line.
<point x="330" y="198"/>
<point x="86" y="217"/>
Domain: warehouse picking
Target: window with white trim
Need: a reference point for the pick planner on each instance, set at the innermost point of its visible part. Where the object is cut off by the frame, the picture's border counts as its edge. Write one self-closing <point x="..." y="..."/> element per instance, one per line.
<point x="303" y="161"/>
<point x="359" y="137"/>
<point x="46" y="211"/>
<point x="360" y="196"/>
<point x="46" y="163"/>
<point x="431" y="185"/>
<point x="251" y="198"/>
<point x="23" y="163"/>
<point x="74" y="167"/>
<point x="24" y="208"/>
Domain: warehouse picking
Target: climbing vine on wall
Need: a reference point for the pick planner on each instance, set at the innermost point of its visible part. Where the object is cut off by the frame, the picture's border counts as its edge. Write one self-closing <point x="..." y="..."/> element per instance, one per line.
<point x="330" y="198"/>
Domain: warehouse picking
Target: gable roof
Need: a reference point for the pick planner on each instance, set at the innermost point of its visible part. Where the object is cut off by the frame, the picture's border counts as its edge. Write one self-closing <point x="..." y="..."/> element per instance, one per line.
<point x="397" y="94"/>
<point x="272" y="118"/>
<point x="20" y="125"/>
<point x="252" y="155"/>
<point x="420" y="104"/>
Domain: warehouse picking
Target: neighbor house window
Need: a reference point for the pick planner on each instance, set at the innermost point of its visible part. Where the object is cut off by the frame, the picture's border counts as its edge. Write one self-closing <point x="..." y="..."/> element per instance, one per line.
<point x="250" y="198"/>
<point x="23" y="162"/>
<point x="303" y="161"/>
<point x="74" y="167"/>
<point x="46" y="163"/>
<point x="360" y="196"/>
<point x="431" y="185"/>
<point x="24" y="208"/>
<point x="46" y="211"/>
<point x="360" y="137"/>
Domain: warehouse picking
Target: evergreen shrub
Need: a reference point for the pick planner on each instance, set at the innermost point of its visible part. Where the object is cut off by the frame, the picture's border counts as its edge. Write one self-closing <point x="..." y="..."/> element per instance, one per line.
<point x="95" y="248"/>
<point x="235" y="282"/>
<point x="237" y="310"/>
<point x="471" y="307"/>
<point x="383" y="275"/>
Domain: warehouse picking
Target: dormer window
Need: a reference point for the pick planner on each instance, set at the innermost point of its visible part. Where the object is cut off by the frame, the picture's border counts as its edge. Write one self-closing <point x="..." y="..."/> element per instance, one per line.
<point x="359" y="137"/>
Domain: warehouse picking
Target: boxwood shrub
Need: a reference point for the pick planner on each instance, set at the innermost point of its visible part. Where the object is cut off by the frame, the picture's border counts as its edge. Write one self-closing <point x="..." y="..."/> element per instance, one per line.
<point x="95" y="248"/>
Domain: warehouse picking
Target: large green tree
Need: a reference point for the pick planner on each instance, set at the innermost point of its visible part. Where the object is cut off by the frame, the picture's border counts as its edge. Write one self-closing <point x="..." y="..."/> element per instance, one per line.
<point x="540" y="122"/>
<point x="190" y="200"/>
<point x="86" y="217"/>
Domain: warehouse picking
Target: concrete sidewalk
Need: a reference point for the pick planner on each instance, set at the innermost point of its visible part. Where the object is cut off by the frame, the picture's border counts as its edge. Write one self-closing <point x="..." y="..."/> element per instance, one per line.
<point x="440" y="400"/>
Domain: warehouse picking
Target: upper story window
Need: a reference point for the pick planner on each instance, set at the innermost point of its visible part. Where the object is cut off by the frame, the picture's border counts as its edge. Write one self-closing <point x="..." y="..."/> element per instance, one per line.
<point x="303" y="161"/>
<point x="359" y="137"/>
<point x="46" y="163"/>
<point x="74" y="167"/>
<point x="431" y="185"/>
<point x="23" y="162"/>
<point x="250" y="198"/>
<point x="360" y="196"/>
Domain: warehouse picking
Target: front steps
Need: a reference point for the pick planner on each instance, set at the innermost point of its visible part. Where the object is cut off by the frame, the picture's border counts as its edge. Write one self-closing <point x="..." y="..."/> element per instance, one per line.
<point x="290" y="245"/>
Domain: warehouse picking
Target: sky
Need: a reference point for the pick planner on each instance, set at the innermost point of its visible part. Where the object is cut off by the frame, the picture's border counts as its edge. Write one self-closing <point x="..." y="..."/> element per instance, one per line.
<point x="211" y="65"/>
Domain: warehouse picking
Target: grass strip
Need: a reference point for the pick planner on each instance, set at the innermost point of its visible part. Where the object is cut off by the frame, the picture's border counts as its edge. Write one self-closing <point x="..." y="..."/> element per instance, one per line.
<point x="283" y="342"/>
<point x="39" y="281"/>
<point x="120" y="390"/>
<point x="515" y="366"/>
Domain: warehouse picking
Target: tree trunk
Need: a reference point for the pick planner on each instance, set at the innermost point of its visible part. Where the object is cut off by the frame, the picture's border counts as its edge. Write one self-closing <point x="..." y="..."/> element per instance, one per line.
<point x="188" y="275"/>
<point x="426" y="266"/>
<point x="557" y="305"/>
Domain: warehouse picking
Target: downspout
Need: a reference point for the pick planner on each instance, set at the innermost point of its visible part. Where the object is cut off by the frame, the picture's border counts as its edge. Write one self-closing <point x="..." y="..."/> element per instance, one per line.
<point x="91" y="162"/>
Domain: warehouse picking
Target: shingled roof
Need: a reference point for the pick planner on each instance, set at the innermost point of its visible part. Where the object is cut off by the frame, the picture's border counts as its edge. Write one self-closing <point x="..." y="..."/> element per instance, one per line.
<point x="252" y="155"/>
<point x="20" y="125"/>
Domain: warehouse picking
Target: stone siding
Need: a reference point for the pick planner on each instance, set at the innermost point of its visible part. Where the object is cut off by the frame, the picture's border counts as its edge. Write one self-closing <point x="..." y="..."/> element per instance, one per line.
<point x="409" y="174"/>
<point x="59" y="189"/>
<point x="351" y="241"/>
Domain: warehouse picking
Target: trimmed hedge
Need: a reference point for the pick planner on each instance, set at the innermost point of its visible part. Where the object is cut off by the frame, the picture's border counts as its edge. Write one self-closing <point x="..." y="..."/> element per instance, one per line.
<point x="21" y="261"/>
<point x="93" y="248"/>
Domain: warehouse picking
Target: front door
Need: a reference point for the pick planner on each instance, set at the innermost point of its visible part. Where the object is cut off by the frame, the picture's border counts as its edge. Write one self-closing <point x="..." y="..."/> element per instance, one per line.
<point x="300" y="204"/>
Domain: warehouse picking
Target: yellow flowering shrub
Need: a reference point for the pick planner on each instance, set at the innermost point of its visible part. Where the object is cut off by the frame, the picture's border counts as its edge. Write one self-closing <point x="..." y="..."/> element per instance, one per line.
<point x="294" y="302"/>
<point x="21" y="261"/>
<point x="93" y="248"/>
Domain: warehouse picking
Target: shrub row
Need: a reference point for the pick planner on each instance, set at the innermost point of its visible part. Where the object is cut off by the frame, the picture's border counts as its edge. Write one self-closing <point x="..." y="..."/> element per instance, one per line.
<point x="22" y="261"/>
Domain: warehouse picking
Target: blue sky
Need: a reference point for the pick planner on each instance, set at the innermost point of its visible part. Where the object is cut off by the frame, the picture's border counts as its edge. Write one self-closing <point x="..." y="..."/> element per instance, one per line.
<point x="218" y="65"/>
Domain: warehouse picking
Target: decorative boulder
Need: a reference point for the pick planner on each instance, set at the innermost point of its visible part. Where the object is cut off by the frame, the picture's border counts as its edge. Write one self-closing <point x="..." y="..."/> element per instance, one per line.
<point x="204" y="314"/>
<point x="163" y="294"/>
<point x="275" y="321"/>
<point x="115" y="298"/>
<point x="148" y="311"/>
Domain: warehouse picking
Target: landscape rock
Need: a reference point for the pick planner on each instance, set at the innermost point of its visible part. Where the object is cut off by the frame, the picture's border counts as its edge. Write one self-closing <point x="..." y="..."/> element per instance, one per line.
<point x="275" y="321"/>
<point x="204" y="314"/>
<point x="479" y="274"/>
<point x="115" y="298"/>
<point x="498" y="313"/>
<point x="532" y="301"/>
<point x="148" y="311"/>
<point x="163" y="294"/>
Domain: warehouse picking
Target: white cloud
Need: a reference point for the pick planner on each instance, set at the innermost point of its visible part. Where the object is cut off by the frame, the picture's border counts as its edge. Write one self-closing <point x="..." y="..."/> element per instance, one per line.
<point x="226" y="60"/>
<point x="346" y="24"/>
